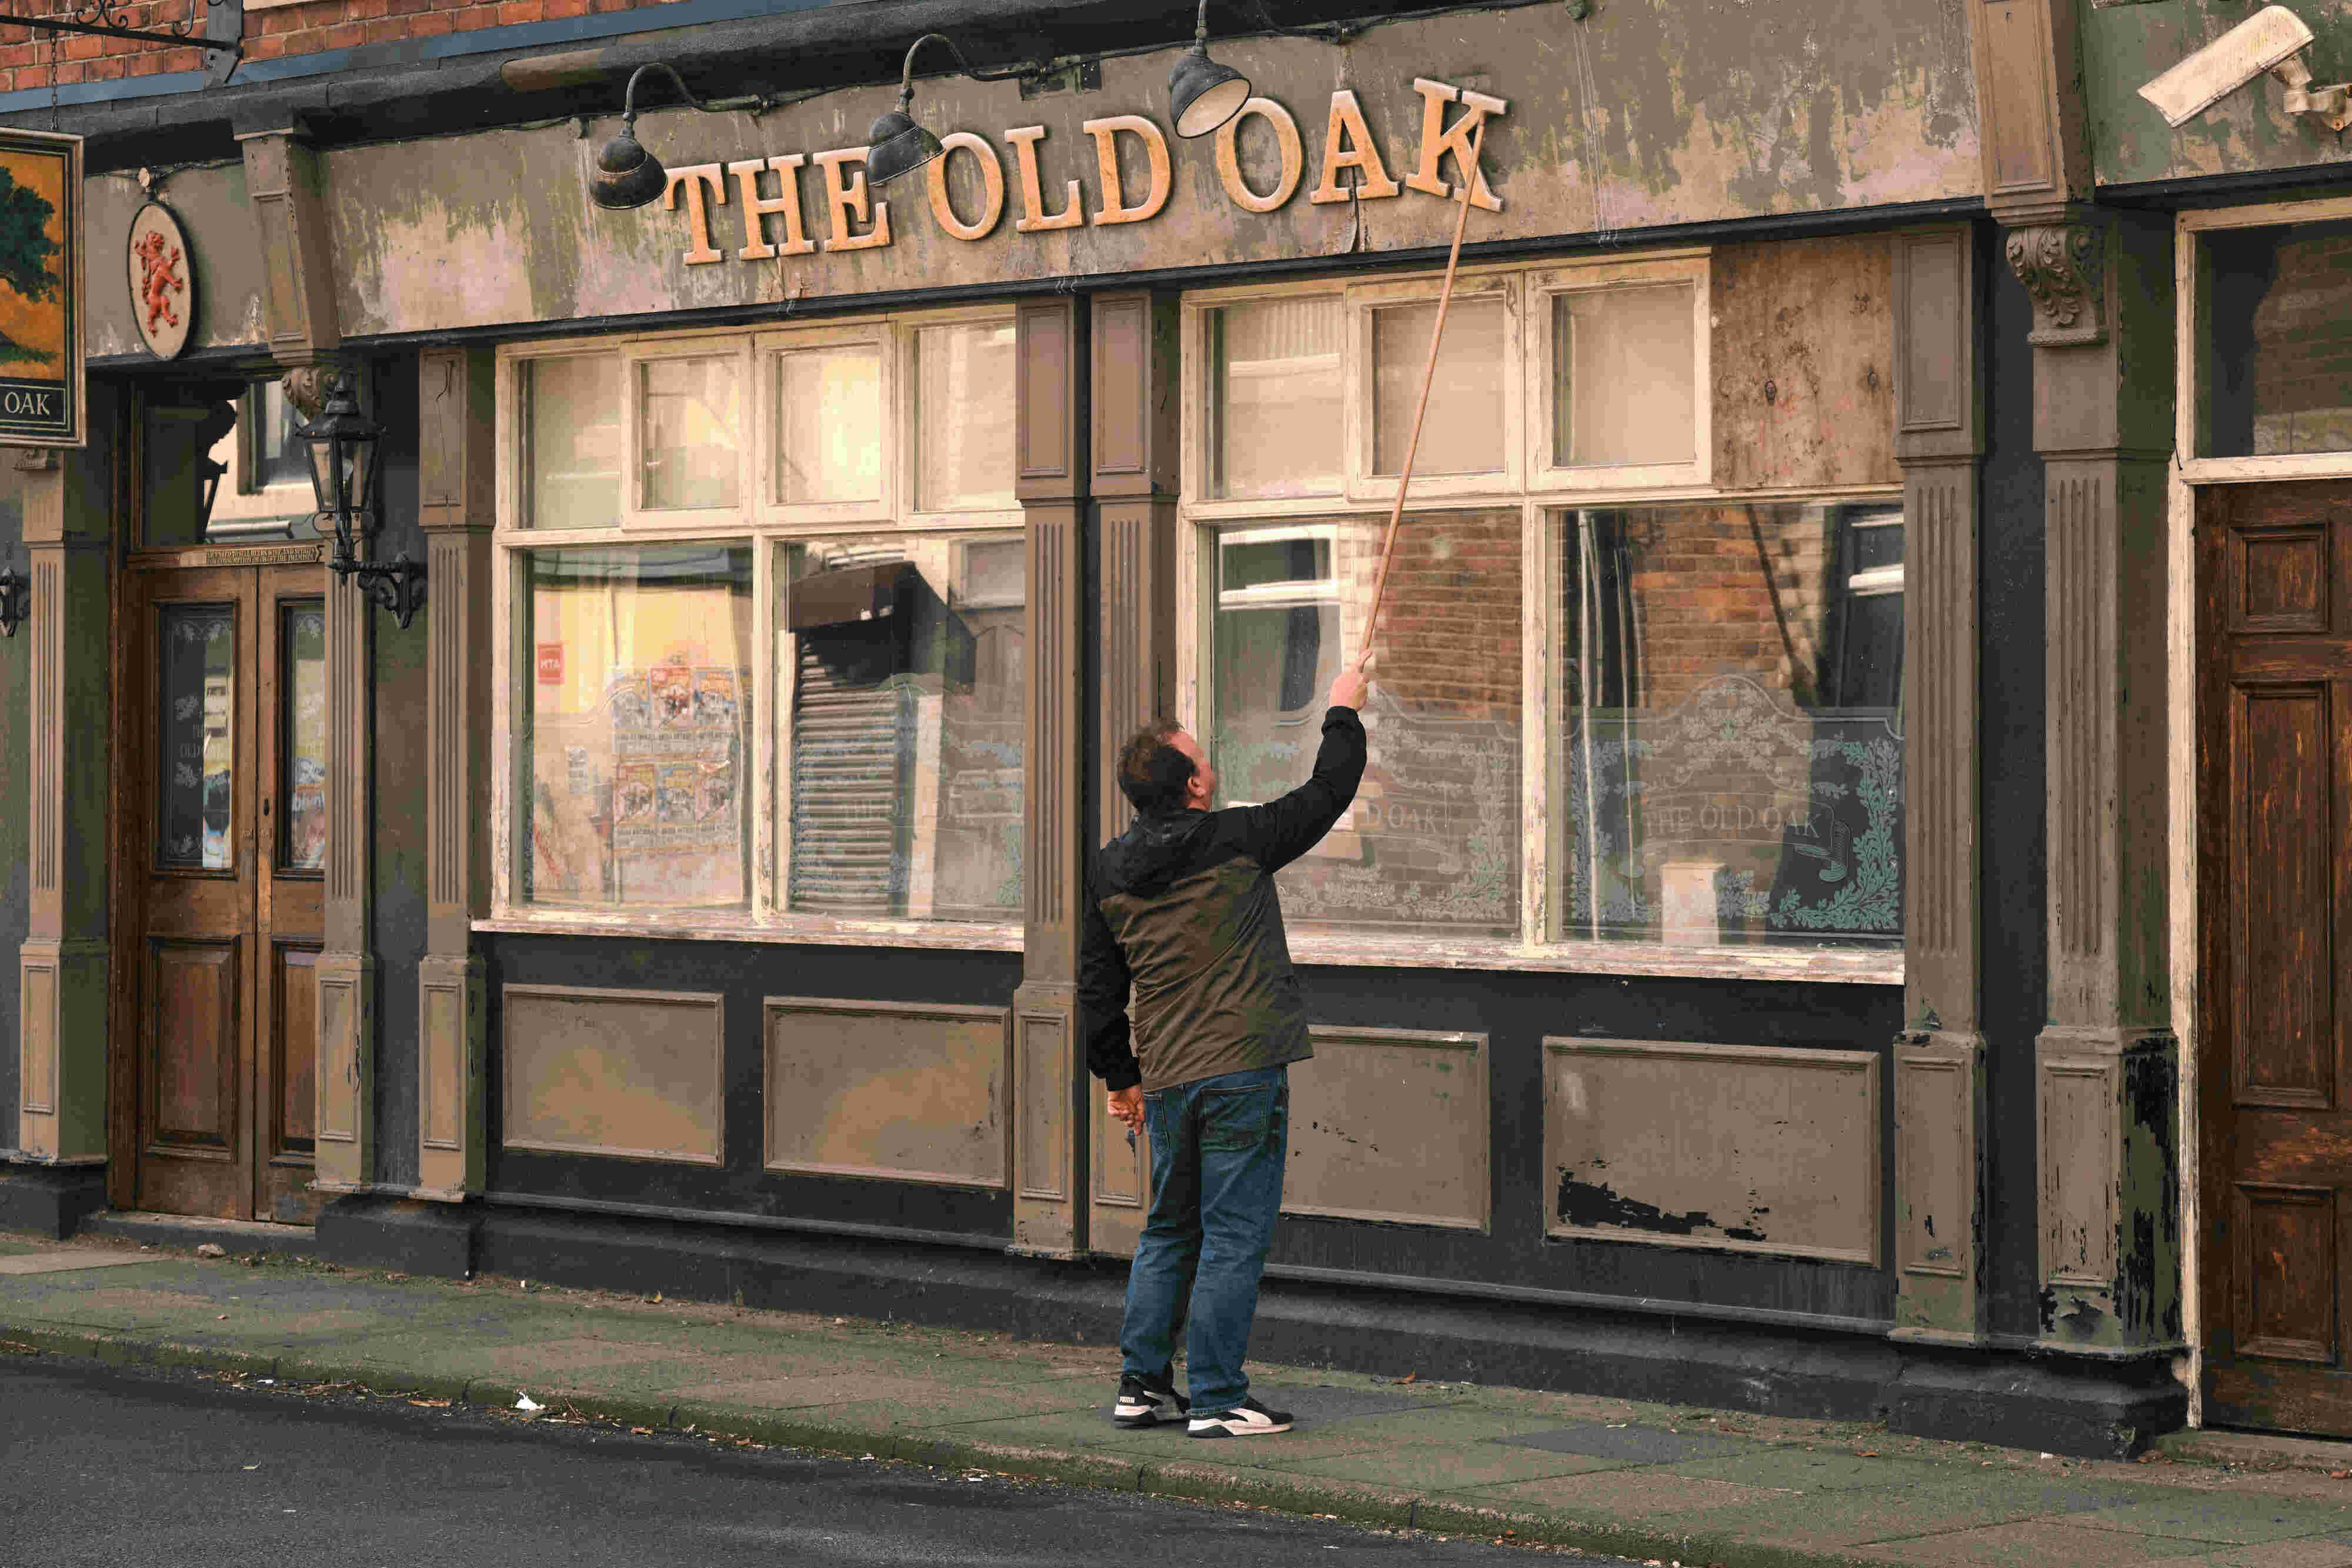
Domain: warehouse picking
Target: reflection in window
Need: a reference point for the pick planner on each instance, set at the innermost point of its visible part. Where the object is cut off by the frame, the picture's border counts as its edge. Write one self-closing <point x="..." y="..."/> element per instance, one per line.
<point x="302" y="736"/>
<point x="1276" y="402"/>
<point x="828" y="405"/>
<point x="571" y="441"/>
<point x="1622" y="363"/>
<point x="1729" y="763"/>
<point x="2276" y="362"/>
<point x="279" y="456"/>
<point x="692" y="433"/>
<point x="1433" y="842"/>
<point x="904" y="664"/>
<point x="196" y="674"/>
<point x="963" y="416"/>
<point x="1465" y="431"/>
<point x="634" y="687"/>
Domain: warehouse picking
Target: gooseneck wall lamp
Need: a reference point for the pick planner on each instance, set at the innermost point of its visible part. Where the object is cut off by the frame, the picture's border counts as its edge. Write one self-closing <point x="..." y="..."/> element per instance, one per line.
<point x="345" y="475"/>
<point x="897" y="145"/>
<point x="1202" y="94"/>
<point x="627" y="175"/>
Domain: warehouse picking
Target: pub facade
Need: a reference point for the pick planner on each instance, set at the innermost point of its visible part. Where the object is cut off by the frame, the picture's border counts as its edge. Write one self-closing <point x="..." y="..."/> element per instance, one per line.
<point x="1839" y="899"/>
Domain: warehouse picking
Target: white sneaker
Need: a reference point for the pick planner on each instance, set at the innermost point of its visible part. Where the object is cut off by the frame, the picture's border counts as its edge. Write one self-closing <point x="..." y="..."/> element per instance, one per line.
<point x="1247" y="1419"/>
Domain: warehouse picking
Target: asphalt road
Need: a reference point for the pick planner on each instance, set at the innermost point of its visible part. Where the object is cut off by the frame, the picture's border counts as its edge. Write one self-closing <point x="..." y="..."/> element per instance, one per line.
<point x="103" y="1469"/>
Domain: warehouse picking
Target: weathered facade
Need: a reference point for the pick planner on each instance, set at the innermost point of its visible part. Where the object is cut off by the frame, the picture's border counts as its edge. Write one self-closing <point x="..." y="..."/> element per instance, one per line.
<point x="1836" y="922"/>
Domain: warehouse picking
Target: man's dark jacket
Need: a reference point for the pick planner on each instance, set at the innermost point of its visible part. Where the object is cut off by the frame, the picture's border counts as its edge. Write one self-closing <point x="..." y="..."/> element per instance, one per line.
<point x="1183" y="906"/>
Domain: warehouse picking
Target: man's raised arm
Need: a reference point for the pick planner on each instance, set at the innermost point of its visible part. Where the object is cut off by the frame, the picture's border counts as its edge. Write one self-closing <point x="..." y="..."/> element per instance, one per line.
<point x="1282" y="830"/>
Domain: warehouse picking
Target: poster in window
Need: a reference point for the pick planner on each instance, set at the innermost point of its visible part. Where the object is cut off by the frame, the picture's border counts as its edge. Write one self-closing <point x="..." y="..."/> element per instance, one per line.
<point x="41" y="397"/>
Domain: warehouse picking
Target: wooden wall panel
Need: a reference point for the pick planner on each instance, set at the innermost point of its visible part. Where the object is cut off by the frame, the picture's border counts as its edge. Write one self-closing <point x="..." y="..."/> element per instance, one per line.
<point x="591" y="1071"/>
<point x="908" y="1091"/>
<point x="295" y="1008"/>
<point x="1391" y="1125"/>
<point x="1740" y="1148"/>
<point x="2285" y="847"/>
<point x="1803" y="357"/>
<point x="2285" y="1304"/>
<point x="198" y="1068"/>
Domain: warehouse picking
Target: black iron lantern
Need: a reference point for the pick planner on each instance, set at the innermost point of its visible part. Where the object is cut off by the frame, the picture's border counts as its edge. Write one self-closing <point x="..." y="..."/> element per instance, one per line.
<point x="1202" y="94"/>
<point x="343" y="475"/>
<point x="16" y="600"/>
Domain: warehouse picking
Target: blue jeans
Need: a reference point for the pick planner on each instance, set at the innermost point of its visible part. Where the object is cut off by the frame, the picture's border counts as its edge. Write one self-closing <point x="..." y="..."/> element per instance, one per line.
<point x="1218" y="1147"/>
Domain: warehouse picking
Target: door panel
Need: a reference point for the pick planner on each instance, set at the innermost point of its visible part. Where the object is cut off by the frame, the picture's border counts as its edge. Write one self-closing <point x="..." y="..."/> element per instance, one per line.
<point x="227" y="840"/>
<point x="2275" y="717"/>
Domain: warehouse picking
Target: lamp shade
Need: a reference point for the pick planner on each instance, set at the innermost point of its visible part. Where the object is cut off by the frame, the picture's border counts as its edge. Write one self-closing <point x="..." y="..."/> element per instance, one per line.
<point x="627" y="175"/>
<point x="897" y="146"/>
<point x="1202" y="94"/>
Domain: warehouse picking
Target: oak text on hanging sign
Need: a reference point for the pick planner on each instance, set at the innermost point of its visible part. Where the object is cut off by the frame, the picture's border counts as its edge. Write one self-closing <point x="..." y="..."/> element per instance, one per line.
<point x="776" y="214"/>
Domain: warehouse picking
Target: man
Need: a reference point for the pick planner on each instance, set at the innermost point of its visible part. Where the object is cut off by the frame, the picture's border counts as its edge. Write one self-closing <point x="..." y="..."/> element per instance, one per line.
<point x="1182" y="907"/>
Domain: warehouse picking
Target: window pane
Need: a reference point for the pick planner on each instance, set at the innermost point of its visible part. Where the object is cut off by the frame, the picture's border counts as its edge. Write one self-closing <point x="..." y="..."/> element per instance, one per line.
<point x="963" y="417"/>
<point x="279" y="456"/>
<point x="829" y="423"/>
<point x="1623" y="364"/>
<point x="2276" y="363"/>
<point x="1433" y="842"/>
<point x="1729" y="763"/>
<point x="1463" y="432"/>
<point x="634" y="681"/>
<point x="571" y="442"/>
<point x="904" y="664"/>
<point x="302" y="736"/>
<point x="197" y="679"/>
<point x="693" y="423"/>
<point x="1276" y="408"/>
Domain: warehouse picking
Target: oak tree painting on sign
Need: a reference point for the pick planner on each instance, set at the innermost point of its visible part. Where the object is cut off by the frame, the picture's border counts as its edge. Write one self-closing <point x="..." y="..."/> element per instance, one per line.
<point x="40" y="281"/>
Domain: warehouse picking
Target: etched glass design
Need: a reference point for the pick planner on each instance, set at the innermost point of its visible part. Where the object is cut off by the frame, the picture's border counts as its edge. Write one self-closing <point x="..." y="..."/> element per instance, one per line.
<point x="571" y="441"/>
<point x="1465" y="431"/>
<point x="196" y="678"/>
<point x="1276" y="415"/>
<point x="302" y="736"/>
<point x="1728" y="768"/>
<point x="902" y="662"/>
<point x="634" y="710"/>
<point x="963" y="417"/>
<point x="1433" y="841"/>
<point x="690" y="453"/>
<point x="2275" y="361"/>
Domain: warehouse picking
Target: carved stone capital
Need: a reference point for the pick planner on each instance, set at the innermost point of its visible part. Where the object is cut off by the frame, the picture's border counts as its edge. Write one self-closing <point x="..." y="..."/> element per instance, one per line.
<point x="306" y="384"/>
<point x="2062" y="268"/>
<point x="35" y="460"/>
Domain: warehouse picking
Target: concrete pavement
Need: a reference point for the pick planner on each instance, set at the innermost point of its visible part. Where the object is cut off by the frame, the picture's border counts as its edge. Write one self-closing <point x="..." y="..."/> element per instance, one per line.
<point x="1608" y="1476"/>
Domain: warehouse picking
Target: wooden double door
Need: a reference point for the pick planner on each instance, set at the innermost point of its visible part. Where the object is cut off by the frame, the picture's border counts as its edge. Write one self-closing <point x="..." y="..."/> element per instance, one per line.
<point x="2274" y="982"/>
<point x="223" y="839"/>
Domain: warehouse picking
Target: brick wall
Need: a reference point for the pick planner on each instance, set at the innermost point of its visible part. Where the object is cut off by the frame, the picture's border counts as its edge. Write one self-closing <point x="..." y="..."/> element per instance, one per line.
<point x="31" y="59"/>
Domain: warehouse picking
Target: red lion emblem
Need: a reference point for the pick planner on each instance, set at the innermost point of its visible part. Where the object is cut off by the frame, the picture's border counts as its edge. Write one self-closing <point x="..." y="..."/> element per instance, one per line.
<point x="160" y="279"/>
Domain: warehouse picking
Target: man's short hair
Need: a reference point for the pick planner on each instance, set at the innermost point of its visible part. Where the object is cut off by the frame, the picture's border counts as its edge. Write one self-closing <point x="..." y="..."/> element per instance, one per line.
<point x="1151" y="772"/>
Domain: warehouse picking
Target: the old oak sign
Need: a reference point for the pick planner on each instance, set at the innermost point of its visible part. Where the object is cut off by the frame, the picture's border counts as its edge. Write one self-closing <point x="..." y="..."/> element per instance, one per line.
<point x="40" y="289"/>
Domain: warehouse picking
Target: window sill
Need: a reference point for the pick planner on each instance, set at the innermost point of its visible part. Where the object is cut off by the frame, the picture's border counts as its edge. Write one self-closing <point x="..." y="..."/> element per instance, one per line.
<point x="799" y="931"/>
<point x="1847" y="965"/>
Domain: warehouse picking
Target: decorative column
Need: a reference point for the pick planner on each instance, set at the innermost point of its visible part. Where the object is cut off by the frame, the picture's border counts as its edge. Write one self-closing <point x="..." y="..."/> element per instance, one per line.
<point x="63" y="969"/>
<point x="1138" y="391"/>
<point x="457" y="399"/>
<point x="2106" y="1067"/>
<point x="1049" y="1078"/>
<point x="1940" y="1071"/>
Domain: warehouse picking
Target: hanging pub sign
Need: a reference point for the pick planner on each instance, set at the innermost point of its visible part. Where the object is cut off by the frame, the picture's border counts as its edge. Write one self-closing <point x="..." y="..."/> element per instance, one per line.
<point x="839" y="212"/>
<point x="41" y="402"/>
<point x="162" y="280"/>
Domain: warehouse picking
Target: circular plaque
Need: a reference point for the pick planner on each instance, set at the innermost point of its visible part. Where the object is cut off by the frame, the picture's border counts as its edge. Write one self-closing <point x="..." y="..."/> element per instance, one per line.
<point x="162" y="280"/>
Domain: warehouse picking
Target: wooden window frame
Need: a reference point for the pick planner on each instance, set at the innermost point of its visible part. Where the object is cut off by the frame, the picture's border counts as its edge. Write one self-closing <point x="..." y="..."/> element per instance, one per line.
<point x="2192" y="467"/>
<point x="1539" y="493"/>
<point x="762" y="524"/>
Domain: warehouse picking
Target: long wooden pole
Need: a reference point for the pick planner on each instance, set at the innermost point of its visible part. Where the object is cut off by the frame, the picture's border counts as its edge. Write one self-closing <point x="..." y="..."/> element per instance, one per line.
<point x="1429" y="375"/>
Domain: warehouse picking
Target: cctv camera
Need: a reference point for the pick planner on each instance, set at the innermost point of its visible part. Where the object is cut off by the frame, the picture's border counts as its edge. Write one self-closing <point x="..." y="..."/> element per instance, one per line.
<point x="2266" y="38"/>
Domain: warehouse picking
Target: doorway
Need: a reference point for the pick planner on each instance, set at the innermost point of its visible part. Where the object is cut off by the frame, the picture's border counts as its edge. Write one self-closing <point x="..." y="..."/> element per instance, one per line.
<point x="222" y="842"/>
<point x="2275" y="951"/>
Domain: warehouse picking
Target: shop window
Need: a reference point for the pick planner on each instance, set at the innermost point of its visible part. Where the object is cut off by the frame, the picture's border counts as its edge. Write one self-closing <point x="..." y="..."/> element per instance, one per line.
<point x="1432" y="844"/>
<point x="2274" y="350"/>
<point x="901" y="661"/>
<point x="302" y="735"/>
<point x="197" y="679"/>
<point x="795" y="696"/>
<point x="1277" y="409"/>
<point x="274" y="454"/>
<point x="1729" y="766"/>
<point x="570" y="420"/>
<point x="634" y="727"/>
<point x="1613" y="707"/>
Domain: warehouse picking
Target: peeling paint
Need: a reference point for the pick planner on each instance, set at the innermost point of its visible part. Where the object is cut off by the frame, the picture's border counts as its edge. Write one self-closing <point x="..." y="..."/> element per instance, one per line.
<point x="1596" y="1203"/>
